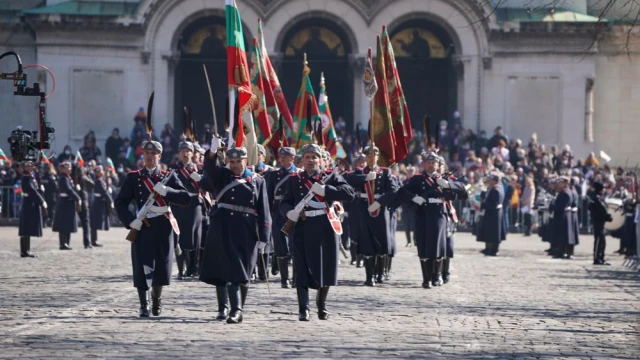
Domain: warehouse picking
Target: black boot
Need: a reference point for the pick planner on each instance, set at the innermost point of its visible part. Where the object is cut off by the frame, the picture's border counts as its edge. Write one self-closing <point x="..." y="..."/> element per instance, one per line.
<point x="223" y="304"/>
<point x="387" y="268"/>
<point x="380" y="264"/>
<point x="303" y="303"/>
<point x="94" y="238"/>
<point x="156" y="300"/>
<point x="369" y="267"/>
<point x="25" y="247"/>
<point x="446" y="263"/>
<point x="263" y="263"/>
<point x="235" y="317"/>
<point x="143" y="296"/>
<point x="568" y="252"/>
<point x="244" y="290"/>
<point x="436" y="276"/>
<point x="180" y="262"/>
<point x="360" y="260"/>
<point x="354" y="256"/>
<point x="321" y="302"/>
<point x="283" y="266"/>
<point x="275" y="266"/>
<point x="64" y="242"/>
<point x="426" y="265"/>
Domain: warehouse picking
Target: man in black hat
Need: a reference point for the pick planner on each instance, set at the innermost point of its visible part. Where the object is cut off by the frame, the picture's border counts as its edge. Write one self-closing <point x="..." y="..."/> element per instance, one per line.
<point x="374" y="232"/>
<point x="563" y="236"/>
<point x="65" y="221"/>
<point x="315" y="239"/>
<point x="153" y="248"/>
<point x="275" y="189"/>
<point x="189" y="218"/>
<point x="599" y="215"/>
<point x="30" y="213"/>
<point x="492" y="227"/>
<point x="240" y="227"/>
<point x="100" y="207"/>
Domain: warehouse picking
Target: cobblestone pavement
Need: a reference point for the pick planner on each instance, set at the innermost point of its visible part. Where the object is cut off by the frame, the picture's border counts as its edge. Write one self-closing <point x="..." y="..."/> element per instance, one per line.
<point x="81" y="304"/>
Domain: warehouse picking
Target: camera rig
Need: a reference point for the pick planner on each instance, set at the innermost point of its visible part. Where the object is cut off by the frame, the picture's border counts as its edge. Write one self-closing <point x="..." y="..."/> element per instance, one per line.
<point x="27" y="145"/>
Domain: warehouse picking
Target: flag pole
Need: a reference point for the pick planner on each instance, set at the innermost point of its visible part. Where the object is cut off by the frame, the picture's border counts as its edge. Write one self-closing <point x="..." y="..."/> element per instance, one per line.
<point x="371" y="135"/>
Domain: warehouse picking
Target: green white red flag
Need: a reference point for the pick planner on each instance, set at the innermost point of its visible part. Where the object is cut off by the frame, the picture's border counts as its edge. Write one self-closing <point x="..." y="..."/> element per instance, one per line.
<point x="330" y="138"/>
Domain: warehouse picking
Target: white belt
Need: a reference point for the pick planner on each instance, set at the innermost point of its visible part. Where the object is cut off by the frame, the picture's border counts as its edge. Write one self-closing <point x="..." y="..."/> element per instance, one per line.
<point x="158" y="209"/>
<point x="64" y="195"/>
<point x="313" y="213"/>
<point x="316" y="204"/>
<point x="277" y="197"/>
<point x="435" y="201"/>
<point x="574" y="209"/>
<point x="243" y="209"/>
<point x="151" y="215"/>
<point x="567" y="209"/>
<point x="499" y="206"/>
<point x="364" y="196"/>
<point x="194" y="194"/>
<point x="97" y="195"/>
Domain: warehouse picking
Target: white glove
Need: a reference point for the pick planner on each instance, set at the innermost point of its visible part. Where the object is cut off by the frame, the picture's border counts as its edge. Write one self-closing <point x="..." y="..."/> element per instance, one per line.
<point x="418" y="200"/>
<point x="373" y="207"/>
<point x="160" y="189"/>
<point x="443" y="183"/>
<point x="136" y="224"/>
<point x="78" y="187"/>
<point x="195" y="176"/>
<point x="178" y="250"/>
<point x="113" y="206"/>
<point x="215" y="144"/>
<point x="44" y="205"/>
<point x="292" y="215"/>
<point x="370" y="176"/>
<point x="318" y="189"/>
<point x="42" y="188"/>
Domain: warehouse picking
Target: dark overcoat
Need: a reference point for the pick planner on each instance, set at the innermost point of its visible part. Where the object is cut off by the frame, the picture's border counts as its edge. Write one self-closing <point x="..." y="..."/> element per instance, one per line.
<point x="492" y="228"/>
<point x="101" y="206"/>
<point x="276" y="181"/>
<point x="189" y="217"/>
<point x="562" y="226"/>
<point x="65" y="220"/>
<point x="30" y="214"/>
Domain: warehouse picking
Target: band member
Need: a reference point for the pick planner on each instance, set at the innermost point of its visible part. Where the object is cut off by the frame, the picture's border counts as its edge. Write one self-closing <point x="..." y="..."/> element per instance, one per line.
<point x="374" y="236"/>
<point x="431" y="192"/>
<point x="599" y="215"/>
<point x="563" y="236"/>
<point x="315" y="243"/>
<point x="189" y="218"/>
<point x="153" y="248"/>
<point x="100" y="207"/>
<point x="492" y="229"/>
<point x="65" y="221"/>
<point x="49" y="179"/>
<point x="30" y="213"/>
<point x="275" y="189"/>
<point x="240" y="227"/>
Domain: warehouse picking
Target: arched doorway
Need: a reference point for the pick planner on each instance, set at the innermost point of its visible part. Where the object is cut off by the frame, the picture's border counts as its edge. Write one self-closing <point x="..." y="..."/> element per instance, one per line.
<point x="424" y="54"/>
<point x="202" y="42"/>
<point x="327" y="48"/>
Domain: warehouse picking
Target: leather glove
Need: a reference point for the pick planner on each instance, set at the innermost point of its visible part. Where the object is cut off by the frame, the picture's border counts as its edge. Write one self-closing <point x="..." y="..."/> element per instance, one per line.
<point x="44" y="205"/>
<point x="292" y="215"/>
<point x="373" y="207"/>
<point x="195" y="176"/>
<point x="160" y="189"/>
<point x="418" y="200"/>
<point x="215" y="144"/>
<point x="136" y="224"/>
<point x="443" y="183"/>
<point x="318" y="189"/>
<point x="370" y="176"/>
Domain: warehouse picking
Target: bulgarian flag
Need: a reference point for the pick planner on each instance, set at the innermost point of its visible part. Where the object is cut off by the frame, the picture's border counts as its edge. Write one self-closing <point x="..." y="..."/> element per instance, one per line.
<point x="110" y="165"/>
<point x="260" y="112"/>
<point x="4" y="158"/>
<point x="330" y="139"/>
<point x="79" y="160"/>
<point x="381" y="124"/>
<point x="44" y="159"/>
<point x="305" y="112"/>
<point x="399" y="110"/>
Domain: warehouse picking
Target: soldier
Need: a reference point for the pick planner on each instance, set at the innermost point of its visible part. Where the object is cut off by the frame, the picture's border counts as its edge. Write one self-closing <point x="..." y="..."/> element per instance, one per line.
<point x="30" y="213"/>
<point x="359" y="163"/>
<point x="100" y="207"/>
<point x="374" y="234"/>
<point x="563" y="235"/>
<point x="50" y="182"/>
<point x="315" y="243"/>
<point x="452" y="222"/>
<point x="599" y="215"/>
<point x="65" y="221"/>
<point x="240" y="227"/>
<point x="394" y="227"/>
<point x="84" y="184"/>
<point x="207" y="203"/>
<point x="275" y="189"/>
<point x="189" y="218"/>
<point x="265" y="258"/>
<point x="153" y="248"/>
<point x="408" y="217"/>
<point x="431" y="192"/>
<point x="492" y="227"/>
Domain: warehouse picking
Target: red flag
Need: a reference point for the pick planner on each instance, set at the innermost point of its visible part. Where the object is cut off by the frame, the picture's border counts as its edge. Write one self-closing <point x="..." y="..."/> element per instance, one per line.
<point x="381" y="122"/>
<point x="263" y="128"/>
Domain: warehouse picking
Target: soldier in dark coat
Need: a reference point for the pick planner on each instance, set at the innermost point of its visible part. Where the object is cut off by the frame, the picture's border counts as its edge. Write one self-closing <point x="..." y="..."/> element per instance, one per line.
<point x="408" y="217"/>
<point x="65" y="221"/>
<point x="30" y="213"/>
<point x="84" y="184"/>
<point x="492" y="227"/>
<point x="599" y="215"/>
<point x="207" y="203"/>
<point x="153" y="247"/>
<point x="275" y="189"/>
<point x="49" y="180"/>
<point x="264" y="259"/>
<point x="374" y="235"/>
<point x="315" y="240"/>
<point x="563" y="233"/>
<point x="629" y="238"/>
<point x="394" y="227"/>
<point x="240" y="228"/>
<point x="452" y="223"/>
<point x="432" y="194"/>
<point x="189" y="218"/>
<point x="354" y="225"/>
<point x="100" y="207"/>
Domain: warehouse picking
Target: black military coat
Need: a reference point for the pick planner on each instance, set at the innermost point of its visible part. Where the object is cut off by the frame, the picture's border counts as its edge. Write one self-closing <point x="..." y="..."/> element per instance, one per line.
<point x="276" y="181"/>
<point x="65" y="219"/>
<point x="30" y="214"/>
<point x="190" y="217"/>
<point x="492" y="229"/>
<point x="562" y="226"/>
<point x="101" y="206"/>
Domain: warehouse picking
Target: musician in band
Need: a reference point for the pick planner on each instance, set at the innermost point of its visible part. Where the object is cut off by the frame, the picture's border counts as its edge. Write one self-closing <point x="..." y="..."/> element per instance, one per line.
<point x="153" y="248"/>
<point x="432" y="194"/>
<point x="315" y="235"/>
<point x="240" y="228"/>
<point x="372" y="217"/>
<point x="190" y="217"/>
<point x="599" y="216"/>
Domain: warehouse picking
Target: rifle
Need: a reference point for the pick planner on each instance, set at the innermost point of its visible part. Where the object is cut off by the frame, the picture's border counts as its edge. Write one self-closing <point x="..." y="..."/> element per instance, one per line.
<point x="287" y="229"/>
<point x="144" y="210"/>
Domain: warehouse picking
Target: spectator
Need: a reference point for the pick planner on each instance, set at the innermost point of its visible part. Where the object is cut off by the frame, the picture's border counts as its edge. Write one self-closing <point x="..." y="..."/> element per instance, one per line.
<point x="591" y="160"/>
<point x="113" y="145"/>
<point x="481" y="142"/>
<point x="66" y="155"/>
<point x="497" y="136"/>
<point x="90" y="151"/>
<point x="139" y="122"/>
<point x="526" y="204"/>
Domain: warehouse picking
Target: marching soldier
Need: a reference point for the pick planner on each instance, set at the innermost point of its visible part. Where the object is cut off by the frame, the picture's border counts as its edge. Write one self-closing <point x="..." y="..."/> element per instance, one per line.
<point x="407" y="215"/>
<point x="315" y="243"/>
<point x="599" y="215"/>
<point x="240" y="227"/>
<point x="394" y="228"/>
<point x="84" y="184"/>
<point x="30" y="213"/>
<point x="563" y="235"/>
<point x="263" y="261"/>
<point x="354" y="224"/>
<point x="432" y="193"/>
<point x="629" y="229"/>
<point x="153" y="247"/>
<point x="452" y="221"/>
<point x="189" y="218"/>
<point x="65" y="221"/>
<point x="275" y="189"/>
<point x="50" y="182"/>
<point x="100" y="207"/>
<point x="492" y="227"/>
